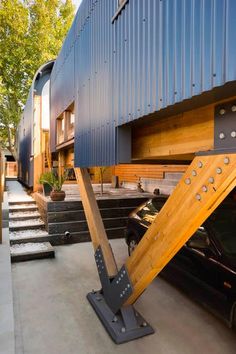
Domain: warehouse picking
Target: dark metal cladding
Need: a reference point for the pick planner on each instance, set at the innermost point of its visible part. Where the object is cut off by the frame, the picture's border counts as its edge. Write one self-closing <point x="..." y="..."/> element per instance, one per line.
<point x="153" y="55"/>
<point x="25" y="127"/>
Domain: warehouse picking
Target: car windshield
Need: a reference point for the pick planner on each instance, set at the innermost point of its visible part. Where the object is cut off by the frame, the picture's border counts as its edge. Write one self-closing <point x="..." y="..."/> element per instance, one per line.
<point x="223" y="222"/>
<point x="149" y="212"/>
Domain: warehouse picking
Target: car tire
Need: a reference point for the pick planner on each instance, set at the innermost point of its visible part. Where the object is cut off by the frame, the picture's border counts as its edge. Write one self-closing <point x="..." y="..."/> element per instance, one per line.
<point x="133" y="241"/>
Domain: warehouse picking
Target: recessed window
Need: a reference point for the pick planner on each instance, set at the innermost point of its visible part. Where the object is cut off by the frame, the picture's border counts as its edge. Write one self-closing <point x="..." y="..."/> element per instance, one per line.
<point x="120" y="6"/>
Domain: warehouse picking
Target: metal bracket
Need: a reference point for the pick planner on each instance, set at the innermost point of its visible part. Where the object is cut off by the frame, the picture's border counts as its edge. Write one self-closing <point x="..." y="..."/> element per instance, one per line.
<point x="123" y="323"/>
<point x="117" y="290"/>
<point x="225" y="127"/>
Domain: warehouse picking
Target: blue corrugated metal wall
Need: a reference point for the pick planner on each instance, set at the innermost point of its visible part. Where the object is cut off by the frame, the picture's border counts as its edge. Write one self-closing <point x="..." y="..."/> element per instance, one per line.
<point x="155" y="54"/>
<point x="25" y="128"/>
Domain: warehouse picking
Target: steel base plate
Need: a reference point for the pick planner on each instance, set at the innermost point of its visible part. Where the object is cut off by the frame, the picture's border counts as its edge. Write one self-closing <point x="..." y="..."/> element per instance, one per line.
<point x="115" y="325"/>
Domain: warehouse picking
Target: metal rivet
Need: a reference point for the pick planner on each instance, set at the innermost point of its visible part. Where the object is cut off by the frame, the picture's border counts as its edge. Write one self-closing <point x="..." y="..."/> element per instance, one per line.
<point x="121" y="295"/>
<point x="233" y="134"/>
<point x="204" y="189"/>
<point x="211" y="180"/>
<point x="200" y="164"/>
<point x="233" y="108"/>
<point x="222" y="111"/>
<point x="188" y="181"/>
<point x="226" y="160"/>
<point x="218" y="170"/>
<point x="194" y="173"/>
<point x="123" y="271"/>
<point x="123" y="329"/>
<point x="198" y="197"/>
<point x="128" y="285"/>
<point x="115" y="319"/>
<point x="144" y="324"/>
<point x="117" y="282"/>
<point x="221" y="135"/>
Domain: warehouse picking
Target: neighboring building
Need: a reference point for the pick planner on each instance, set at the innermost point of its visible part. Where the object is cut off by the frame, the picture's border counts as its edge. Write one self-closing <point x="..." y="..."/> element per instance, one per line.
<point x="33" y="130"/>
<point x="10" y="164"/>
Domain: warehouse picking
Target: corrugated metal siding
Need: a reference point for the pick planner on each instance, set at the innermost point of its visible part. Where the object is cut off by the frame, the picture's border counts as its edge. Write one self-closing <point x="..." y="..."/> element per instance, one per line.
<point x="156" y="54"/>
<point x="25" y="128"/>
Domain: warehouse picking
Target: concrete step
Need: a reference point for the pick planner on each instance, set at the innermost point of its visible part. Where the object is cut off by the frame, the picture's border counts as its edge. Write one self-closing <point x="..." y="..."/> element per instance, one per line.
<point x="173" y="175"/>
<point x="20" y="226"/>
<point x="20" y="236"/>
<point x="60" y="239"/>
<point x="78" y="215"/>
<point x="30" y="251"/>
<point x="77" y="226"/>
<point x="116" y="202"/>
<point x="23" y="216"/>
<point x="23" y="208"/>
<point x="159" y="182"/>
<point x="19" y="208"/>
<point x="23" y="202"/>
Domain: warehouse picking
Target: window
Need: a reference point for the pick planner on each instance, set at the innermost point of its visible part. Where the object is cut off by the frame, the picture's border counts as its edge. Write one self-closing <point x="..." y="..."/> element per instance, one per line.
<point x="60" y="129"/>
<point x="65" y="127"/>
<point x="120" y="6"/>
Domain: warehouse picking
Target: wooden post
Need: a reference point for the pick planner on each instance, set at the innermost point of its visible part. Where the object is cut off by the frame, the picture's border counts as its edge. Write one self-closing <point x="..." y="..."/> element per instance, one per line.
<point x="94" y="219"/>
<point x="207" y="181"/>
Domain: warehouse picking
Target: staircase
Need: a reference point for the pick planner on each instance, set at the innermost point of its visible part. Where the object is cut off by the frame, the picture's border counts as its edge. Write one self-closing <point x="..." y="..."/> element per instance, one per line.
<point x="165" y="185"/>
<point x="27" y="232"/>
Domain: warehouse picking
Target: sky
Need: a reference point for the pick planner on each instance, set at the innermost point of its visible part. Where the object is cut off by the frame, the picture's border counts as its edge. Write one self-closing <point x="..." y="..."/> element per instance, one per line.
<point x="77" y="3"/>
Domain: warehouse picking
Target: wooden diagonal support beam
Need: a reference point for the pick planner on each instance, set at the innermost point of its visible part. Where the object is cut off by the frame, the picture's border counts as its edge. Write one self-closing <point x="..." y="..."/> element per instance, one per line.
<point x="207" y="181"/>
<point x="94" y="220"/>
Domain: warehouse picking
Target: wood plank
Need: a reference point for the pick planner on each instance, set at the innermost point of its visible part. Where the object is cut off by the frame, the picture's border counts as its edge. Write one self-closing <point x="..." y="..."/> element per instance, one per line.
<point x="180" y="217"/>
<point x="132" y="172"/>
<point x="176" y="136"/>
<point x="181" y="134"/>
<point x="94" y="219"/>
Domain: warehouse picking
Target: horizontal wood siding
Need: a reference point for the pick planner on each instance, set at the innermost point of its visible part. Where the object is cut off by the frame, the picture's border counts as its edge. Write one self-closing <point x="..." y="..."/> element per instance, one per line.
<point x="132" y="173"/>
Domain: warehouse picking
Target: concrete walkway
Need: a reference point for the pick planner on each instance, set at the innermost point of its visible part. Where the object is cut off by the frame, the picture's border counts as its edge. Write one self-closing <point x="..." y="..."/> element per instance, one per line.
<point x="53" y="316"/>
<point x="16" y="192"/>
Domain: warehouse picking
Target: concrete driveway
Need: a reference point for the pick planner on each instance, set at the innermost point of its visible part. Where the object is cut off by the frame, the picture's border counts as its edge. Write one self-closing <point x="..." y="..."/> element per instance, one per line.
<point x="53" y="316"/>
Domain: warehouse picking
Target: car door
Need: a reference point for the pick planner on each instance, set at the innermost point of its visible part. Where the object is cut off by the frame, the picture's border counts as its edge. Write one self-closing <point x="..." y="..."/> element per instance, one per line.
<point x="195" y="269"/>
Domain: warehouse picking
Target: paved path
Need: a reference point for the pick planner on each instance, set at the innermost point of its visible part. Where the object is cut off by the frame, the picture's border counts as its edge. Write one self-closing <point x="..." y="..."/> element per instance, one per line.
<point x="16" y="192"/>
<point x="53" y="316"/>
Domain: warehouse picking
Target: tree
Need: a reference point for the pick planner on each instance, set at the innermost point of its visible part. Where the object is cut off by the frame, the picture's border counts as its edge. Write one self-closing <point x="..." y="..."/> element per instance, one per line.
<point x="31" y="33"/>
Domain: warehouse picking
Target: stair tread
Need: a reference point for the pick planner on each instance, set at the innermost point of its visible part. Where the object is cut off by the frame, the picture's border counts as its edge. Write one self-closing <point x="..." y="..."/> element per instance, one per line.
<point x="21" y="202"/>
<point x="16" y="235"/>
<point x="23" y="207"/>
<point x="24" y="222"/>
<point x="23" y="216"/>
<point x="81" y="221"/>
<point x="30" y="251"/>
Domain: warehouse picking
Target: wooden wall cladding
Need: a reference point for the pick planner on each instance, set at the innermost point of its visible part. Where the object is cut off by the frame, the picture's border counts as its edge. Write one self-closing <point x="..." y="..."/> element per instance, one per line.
<point x="132" y="172"/>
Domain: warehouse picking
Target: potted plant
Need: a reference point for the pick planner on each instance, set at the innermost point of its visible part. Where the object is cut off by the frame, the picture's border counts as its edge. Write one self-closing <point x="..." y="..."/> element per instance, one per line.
<point x="55" y="182"/>
<point x="45" y="180"/>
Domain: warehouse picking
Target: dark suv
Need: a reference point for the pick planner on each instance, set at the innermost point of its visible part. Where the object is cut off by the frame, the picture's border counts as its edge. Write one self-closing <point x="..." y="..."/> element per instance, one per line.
<point x="205" y="267"/>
